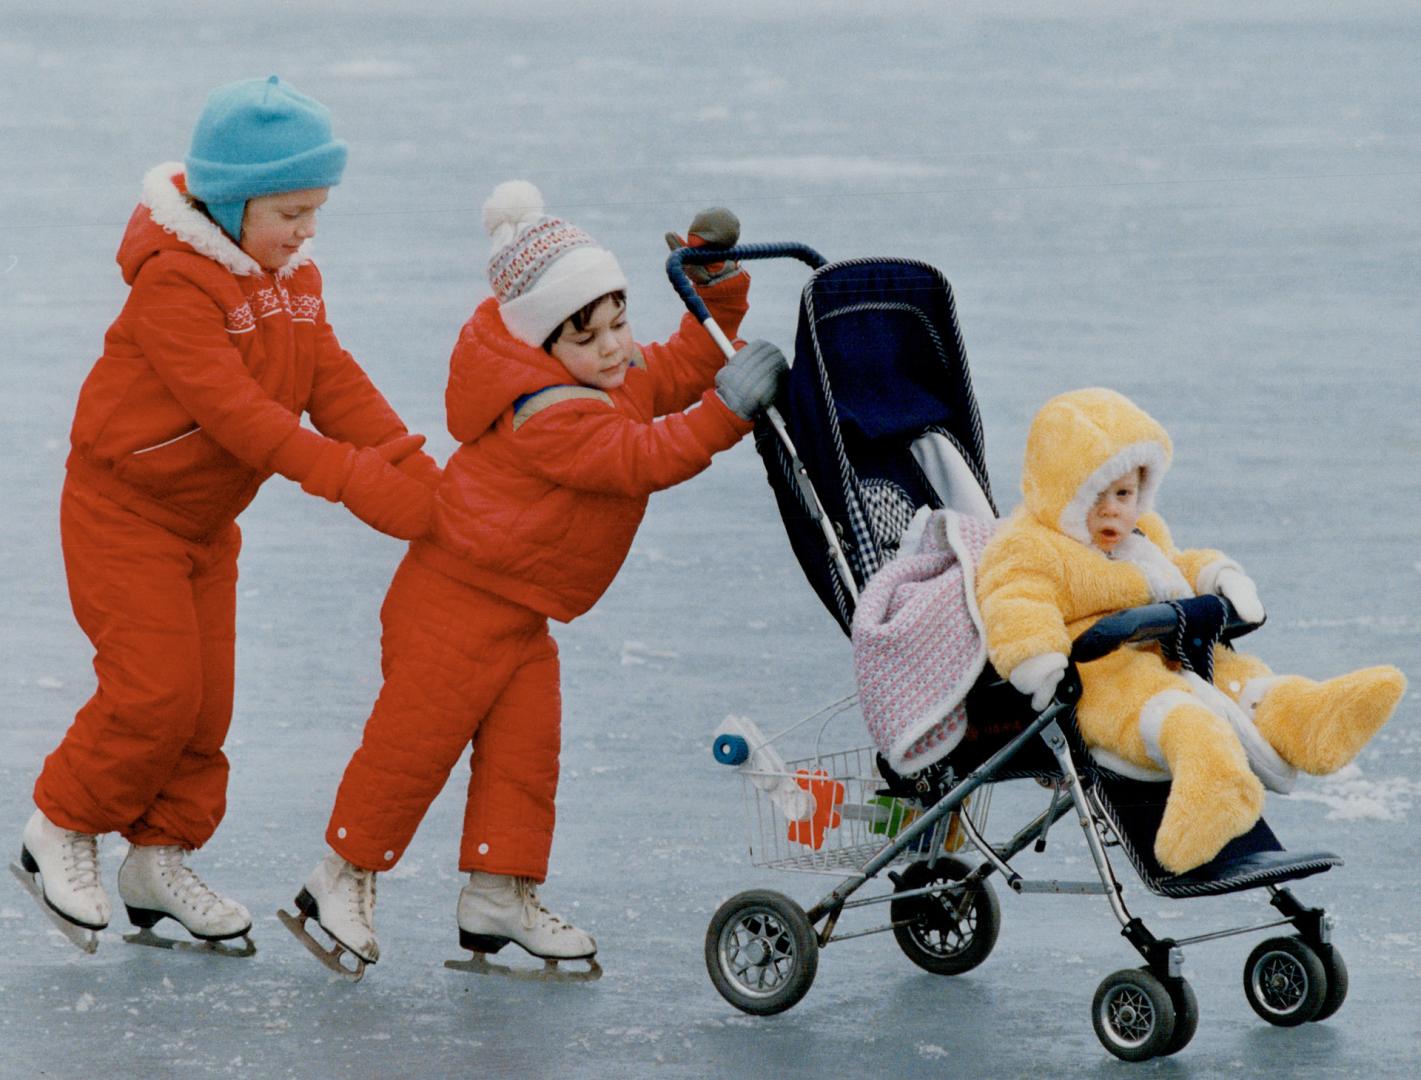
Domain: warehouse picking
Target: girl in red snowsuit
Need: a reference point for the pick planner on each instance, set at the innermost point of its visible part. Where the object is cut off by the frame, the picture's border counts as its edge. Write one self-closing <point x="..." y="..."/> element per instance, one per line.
<point x="220" y="348"/>
<point x="533" y="518"/>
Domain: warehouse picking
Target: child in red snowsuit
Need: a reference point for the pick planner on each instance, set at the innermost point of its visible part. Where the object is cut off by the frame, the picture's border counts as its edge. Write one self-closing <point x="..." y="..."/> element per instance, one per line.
<point x="220" y="348"/>
<point x="556" y="410"/>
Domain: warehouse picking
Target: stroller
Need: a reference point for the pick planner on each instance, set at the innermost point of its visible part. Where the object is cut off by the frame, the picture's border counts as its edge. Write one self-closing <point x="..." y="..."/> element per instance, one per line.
<point x="878" y="418"/>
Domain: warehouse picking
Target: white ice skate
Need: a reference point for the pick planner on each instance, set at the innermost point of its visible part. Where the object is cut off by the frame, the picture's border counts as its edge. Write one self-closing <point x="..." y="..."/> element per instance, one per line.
<point x="495" y="909"/>
<point x="341" y="898"/>
<point x="69" y="890"/>
<point x="155" y="884"/>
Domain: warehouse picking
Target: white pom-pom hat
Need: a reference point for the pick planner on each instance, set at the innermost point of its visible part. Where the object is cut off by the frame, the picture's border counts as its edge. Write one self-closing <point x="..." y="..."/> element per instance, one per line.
<point x="541" y="268"/>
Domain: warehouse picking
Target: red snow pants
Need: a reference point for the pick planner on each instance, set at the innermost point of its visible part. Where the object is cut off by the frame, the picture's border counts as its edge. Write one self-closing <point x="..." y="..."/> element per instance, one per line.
<point x="144" y="754"/>
<point x="462" y="667"/>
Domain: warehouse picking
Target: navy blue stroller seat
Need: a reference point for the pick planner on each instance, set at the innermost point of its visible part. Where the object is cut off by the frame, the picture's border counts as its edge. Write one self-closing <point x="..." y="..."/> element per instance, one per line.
<point x="879" y="365"/>
<point x="877" y="419"/>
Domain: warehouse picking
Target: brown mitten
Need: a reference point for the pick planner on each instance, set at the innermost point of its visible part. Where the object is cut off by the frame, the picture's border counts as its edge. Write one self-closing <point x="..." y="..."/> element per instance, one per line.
<point x="716" y="227"/>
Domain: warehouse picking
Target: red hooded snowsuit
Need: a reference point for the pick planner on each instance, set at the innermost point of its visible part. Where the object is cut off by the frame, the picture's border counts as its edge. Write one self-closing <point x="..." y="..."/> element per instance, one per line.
<point x="195" y="401"/>
<point x="535" y="514"/>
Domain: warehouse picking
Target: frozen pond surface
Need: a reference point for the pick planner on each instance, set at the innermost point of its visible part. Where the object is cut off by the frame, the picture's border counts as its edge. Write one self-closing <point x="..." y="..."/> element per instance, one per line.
<point x="1212" y="210"/>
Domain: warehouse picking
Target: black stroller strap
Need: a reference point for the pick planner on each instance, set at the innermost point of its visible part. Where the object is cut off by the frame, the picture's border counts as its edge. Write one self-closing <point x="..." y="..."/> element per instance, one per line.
<point x="1198" y="629"/>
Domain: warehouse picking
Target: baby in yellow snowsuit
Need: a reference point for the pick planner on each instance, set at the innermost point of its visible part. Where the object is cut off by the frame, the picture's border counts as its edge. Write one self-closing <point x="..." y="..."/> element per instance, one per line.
<point x="1086" y="542"/>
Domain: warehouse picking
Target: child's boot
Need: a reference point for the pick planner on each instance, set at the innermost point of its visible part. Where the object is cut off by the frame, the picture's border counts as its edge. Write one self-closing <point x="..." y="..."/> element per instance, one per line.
<point x="68" y="865"/>
<point x="495" y="909"/>
<point x="1213" y="796"/>
<point x="341" y="896"/>
<point x="1321" y="726"/>
<point x="154" y="884"/>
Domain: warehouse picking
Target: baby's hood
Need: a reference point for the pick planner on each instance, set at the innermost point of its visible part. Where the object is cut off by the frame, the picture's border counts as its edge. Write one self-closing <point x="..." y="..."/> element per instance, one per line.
<point x="1078" y="443"/>
<point x="165" y="220"/>
<point x="490" y="370"/>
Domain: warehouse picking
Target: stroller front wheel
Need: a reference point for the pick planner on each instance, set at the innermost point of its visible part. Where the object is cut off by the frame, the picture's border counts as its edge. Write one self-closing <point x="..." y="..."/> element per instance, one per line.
<point x="1186" y="1015"/>
<point x="761" y="952"/>
<point x="1134" y="1015"/>
<point x="1336" y="970"/>
<point x="1285" y="981"/>
<point x="945" y="932"/>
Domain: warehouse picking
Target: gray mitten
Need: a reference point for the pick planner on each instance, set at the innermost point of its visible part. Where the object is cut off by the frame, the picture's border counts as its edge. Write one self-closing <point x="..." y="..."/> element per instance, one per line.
<point x="751" y="378"/>
<point x="713" y="228"/>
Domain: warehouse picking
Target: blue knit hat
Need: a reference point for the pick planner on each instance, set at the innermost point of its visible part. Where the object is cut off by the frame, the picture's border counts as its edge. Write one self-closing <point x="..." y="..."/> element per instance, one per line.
<point x="259" y="137"/>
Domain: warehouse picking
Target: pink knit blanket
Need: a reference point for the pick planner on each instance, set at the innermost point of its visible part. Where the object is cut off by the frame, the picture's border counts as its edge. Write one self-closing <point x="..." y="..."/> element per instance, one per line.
<point x="918" y="642"/>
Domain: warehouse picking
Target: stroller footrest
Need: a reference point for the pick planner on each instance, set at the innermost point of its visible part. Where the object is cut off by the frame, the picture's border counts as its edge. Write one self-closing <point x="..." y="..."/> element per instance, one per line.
<point x="1248" y="871"/>
<point x="1255" y="859"/>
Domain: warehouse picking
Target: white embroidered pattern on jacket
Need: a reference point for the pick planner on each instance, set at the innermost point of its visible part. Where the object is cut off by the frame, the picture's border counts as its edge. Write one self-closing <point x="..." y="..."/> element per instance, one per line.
<point x="302" y="307"/>
<point x="240" y="320"/>
<point x="305" y="307"/>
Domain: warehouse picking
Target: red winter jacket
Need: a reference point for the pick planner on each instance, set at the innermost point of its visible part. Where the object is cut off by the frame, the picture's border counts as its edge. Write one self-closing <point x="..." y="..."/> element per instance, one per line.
<point x="206" y="372"/>
<point x="541" y="501"/>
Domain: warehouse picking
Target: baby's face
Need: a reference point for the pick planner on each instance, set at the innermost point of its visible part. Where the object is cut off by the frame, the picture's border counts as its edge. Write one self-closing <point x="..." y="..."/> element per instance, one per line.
<point x="1115" y="512"/>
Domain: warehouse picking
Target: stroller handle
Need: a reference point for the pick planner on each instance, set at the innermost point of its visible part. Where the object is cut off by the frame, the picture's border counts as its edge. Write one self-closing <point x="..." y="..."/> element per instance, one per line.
<point x="687" y="291"/>
<point x="697" y="307"/>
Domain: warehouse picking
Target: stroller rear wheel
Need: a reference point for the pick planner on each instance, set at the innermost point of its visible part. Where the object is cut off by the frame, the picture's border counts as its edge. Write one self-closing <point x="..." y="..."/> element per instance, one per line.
<point x="946" y="932"/>
<point x="761" y="952"/>
<point x="1285" y="981"/>
<point x="1134" y="1015"/>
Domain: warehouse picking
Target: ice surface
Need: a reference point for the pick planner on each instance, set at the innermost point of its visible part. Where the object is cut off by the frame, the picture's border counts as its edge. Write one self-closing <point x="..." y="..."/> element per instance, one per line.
<point x="1210" y="207"/>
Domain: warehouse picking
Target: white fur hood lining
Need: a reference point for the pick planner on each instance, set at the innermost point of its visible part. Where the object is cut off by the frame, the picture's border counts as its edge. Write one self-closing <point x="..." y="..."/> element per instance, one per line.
<point x="174" y="213"/>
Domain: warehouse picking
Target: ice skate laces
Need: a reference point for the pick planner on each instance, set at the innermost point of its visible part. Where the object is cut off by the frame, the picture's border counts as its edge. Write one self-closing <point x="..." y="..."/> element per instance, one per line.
<point x="527" y="892"/>
<point x="360" y="895"/>
<point x="188" y="889"/>
<point x="81" y="860"/>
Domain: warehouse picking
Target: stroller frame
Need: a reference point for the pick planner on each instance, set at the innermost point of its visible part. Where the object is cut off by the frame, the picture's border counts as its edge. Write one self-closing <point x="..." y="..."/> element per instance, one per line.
<point x="762" y="947"/>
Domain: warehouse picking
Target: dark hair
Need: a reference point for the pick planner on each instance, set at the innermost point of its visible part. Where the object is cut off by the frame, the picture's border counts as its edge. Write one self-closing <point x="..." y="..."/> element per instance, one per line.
<point x="201" y="208"/>
<point x="582" y="315"/>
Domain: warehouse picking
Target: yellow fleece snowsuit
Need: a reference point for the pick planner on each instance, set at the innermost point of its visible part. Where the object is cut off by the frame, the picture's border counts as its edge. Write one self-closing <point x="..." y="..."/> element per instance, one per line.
<point x="1041" y="584"/>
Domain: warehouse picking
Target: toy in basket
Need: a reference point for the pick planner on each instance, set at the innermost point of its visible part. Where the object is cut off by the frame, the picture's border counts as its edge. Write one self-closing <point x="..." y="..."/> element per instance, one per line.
<point x="877" y="421"/>
<point x="828" y="813"/>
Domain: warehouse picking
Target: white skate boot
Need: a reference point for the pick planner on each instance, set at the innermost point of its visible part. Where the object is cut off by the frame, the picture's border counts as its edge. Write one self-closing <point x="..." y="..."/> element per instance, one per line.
<point x="154" y="884"/>
<point x="495" y="909"/>
<point x="69" y="888"/>
<point x="341" y="898"/>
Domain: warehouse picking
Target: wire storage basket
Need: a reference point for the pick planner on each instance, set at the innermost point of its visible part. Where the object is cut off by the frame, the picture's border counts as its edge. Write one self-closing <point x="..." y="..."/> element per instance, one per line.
<point x="831" y="813"/>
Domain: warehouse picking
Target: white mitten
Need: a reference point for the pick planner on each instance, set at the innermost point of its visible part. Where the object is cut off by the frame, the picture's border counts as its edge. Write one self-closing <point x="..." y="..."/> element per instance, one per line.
<point x="1239" y="590"/>
<point x="1038" y="677"/>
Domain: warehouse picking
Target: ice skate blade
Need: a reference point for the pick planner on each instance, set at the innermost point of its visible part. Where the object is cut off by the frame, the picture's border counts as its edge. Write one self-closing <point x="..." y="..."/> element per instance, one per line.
<point x="225" y="947"/>
<point x="330" y="957"/>
<point x="478" y="964"/>
<point x="87" y="940"/>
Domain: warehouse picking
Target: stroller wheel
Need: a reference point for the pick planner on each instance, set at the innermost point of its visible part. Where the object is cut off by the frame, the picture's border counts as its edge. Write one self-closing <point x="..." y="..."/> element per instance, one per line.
<point x="946" y="932"/>
<point x="761" y="952"/>
<point x="1133" y="1014"/>
<point x="1336" y="969"/>
<point x="1285" y="981"/>
<point x="1186" y="1015"/>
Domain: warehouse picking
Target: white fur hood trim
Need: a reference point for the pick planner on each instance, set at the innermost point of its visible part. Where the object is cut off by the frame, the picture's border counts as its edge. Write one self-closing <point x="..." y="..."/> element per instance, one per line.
<point x="1147" y="456"/>
<point x="174" y="213"/>
<point x="1080" y="442"/>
